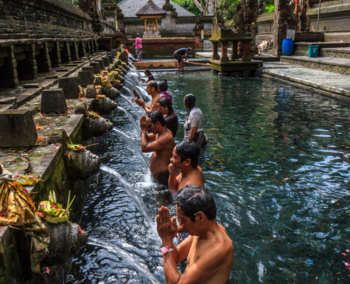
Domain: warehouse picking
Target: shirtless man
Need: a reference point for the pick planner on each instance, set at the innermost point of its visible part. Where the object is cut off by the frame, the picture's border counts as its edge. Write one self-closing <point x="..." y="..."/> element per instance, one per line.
<point x="152" y="90"/>
<point x="161" y="142"/>
<point x="183" y="167"/>
<point x="208" y="249"/>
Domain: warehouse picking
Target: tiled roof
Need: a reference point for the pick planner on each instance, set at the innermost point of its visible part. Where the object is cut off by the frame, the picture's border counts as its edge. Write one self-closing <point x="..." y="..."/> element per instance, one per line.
<point x="130" y="7"/>
<point x="150" y="9"/>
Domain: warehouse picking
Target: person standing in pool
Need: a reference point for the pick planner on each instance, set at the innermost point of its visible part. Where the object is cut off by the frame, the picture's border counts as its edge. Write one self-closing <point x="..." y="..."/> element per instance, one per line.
<point x="163" y="90"/>
<point x="160" y="142"/>
<point x="208" y="250"/>
<point x="179" y="55"/>
<point x="194" y="122"/>
<point x="171" y="120"/>
<point x="149" y="76"/>
<point x="152" y="90"/>
<point x="183" y="167"/>
<point x="138" y="47"/>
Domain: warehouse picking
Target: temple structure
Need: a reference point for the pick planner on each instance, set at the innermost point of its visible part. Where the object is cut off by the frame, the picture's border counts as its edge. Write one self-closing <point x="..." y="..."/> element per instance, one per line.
<point x="151" y="14"/>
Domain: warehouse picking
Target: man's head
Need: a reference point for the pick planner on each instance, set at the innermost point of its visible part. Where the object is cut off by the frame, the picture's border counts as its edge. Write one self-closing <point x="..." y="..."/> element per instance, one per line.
<point x="194" y="207"/>
<point x="137" y="35"/>
<point x="156" y="122"/>
<point x="152" y="88"/>
<point x="189" y="101"/>
<point x="189" y="49"/>
<point x="185" y="156"/>
<point x="147" y="72"/>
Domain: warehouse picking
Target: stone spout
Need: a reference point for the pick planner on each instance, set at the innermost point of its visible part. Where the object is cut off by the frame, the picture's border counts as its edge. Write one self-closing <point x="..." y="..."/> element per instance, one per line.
<point x="103" y="106"/>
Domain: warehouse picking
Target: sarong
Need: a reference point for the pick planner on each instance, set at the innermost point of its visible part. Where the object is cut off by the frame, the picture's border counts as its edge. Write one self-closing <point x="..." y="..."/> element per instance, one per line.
<point x="161" y="178"/>
<point x="201" y="139"/>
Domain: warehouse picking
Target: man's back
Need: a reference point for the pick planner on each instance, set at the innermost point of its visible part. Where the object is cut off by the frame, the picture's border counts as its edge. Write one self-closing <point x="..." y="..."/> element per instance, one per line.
<point x="160" y="158"/>
<point x="194" y="177"/>
<point x="182" y="51"/>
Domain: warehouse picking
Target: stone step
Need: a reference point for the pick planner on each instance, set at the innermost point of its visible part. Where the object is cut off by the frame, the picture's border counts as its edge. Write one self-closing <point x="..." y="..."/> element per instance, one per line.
<point x="302" y="48"/>
<point x="340" y="52"/>
<point x="335" y="65"/>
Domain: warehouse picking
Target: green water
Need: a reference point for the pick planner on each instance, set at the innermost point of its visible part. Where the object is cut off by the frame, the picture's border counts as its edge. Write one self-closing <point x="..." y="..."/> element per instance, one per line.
<point x="277" y="165"/>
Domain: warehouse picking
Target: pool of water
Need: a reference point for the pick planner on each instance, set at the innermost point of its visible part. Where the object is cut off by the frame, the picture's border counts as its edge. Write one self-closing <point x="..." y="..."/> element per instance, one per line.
<point x="277" y="165"/>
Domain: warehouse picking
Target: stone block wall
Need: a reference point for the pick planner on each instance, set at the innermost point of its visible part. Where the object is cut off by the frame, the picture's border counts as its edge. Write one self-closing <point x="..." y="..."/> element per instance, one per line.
<point x="265" y="26"/>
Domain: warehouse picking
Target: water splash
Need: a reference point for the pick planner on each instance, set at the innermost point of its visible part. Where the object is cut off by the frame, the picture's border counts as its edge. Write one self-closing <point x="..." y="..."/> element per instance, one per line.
<point x="133" y="145"/>
<point x="137" y="127"/>
<point x="126" y="257"/>
<point x="133" y="195"/>
<point x="144" y="94"/>
<point x="132" y="105"/>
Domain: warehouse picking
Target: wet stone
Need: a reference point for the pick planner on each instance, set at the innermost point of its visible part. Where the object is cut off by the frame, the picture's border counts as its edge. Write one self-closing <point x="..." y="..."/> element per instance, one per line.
<point x="105" y="61"/>
<point x="90" y="91"/>
<point x="70" y="87"/>
<point x="17" y="128"/>
<point x="102" y="65"/>
<point x="88" y="68"/>
<point x="53" y="100"/>
<point x="7" y="100"/>
<point x="31" y="86"/>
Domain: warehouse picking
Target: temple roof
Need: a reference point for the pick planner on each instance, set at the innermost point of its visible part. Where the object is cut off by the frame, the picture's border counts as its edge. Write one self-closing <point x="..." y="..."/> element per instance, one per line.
<point x="150" y="9"/>
<point x="131" y="7"/>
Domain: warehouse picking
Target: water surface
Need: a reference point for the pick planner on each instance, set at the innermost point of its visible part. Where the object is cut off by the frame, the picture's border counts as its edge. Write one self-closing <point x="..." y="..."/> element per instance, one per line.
<point x="277" y="165"/>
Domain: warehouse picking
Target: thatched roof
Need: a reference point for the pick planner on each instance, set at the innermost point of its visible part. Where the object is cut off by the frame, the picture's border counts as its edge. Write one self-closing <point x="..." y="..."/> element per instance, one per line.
<point x="150" y="9"/>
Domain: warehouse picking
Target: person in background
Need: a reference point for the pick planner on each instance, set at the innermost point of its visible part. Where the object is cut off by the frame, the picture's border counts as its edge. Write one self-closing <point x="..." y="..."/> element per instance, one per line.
<point x="194" y="122"/>
<point x="160" y="142"/>
<point x="152" y="90"/>
<point x="179" y="55"/>
<point x="171" y="120"/>
<point x="163" y="90"/>
<point x="138" y="47"/>
<point x="149" y="76"/>
<point x="208" y="249"/>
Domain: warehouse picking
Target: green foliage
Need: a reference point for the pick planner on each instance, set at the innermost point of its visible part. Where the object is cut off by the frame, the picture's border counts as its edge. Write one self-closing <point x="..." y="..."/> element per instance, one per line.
<point x="189" y="6"/>
<point x="269" y="9"/>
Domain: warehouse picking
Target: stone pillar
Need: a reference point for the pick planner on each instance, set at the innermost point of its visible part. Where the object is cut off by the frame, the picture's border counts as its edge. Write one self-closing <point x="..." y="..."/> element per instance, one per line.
<point x="82" y="51"/>
<point x="224" y="57"/>
<point x="70" y="87"/>
<point x="43" y="60"/>
<point x="74" y="51"/>
<point x="53" y="100"/>
<point x="234" y="54"/>
<point x="246" y="52"/>
<point x="65" y="54"/>
<point x="215" y="55"/>
<point x="17" y="128"/>
<point x="8" y="72"/>
<point x="279" y="30"/>
<point x="55" y="54"/>
<point x="27" y="68"/>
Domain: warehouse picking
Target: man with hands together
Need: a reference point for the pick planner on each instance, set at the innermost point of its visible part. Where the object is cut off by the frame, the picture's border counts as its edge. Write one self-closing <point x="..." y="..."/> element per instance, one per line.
<point x="208" y="249"/>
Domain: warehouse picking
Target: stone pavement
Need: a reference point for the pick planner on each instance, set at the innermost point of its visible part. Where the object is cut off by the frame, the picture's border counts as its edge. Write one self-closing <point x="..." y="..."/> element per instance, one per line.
<point x="323" y="82"/>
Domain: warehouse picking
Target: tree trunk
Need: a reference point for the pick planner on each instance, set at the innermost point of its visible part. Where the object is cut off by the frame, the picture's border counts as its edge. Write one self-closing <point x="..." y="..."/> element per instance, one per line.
<point x="210" y="7"/>
<point x="198" y="3"/>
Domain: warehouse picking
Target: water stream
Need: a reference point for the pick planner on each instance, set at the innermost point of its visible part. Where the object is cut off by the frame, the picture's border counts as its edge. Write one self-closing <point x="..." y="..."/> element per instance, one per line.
<point x="132" y="106"/>
<point x="137" y="127"/>
<point x="134" y="146"/>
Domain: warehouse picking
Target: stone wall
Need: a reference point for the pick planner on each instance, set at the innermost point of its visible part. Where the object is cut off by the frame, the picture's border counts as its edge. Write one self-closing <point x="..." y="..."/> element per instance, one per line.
<point x="265" y="26"/>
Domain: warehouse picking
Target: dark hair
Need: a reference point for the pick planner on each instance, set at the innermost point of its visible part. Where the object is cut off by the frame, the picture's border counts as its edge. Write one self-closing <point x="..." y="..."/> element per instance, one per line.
<point x="188" y="150"/>
<point x="157" y="116"/>
<point x="190" y="101"/>
<point x="192" y="199"/>
<point x="163" y="86"/>
<point x="147" y="72"/>
<point x="166" y="102"/>
<point x="153" y="84"/>
<point x="190" y="48"/>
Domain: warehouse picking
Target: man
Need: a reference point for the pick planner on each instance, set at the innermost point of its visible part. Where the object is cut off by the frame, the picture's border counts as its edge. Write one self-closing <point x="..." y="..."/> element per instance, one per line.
<point x="183" y="167"/>
<point x="208" y="249"/>
<point x="179" y="54"/>
<point x="161" y="142"/>
<point x="152" y="90"/>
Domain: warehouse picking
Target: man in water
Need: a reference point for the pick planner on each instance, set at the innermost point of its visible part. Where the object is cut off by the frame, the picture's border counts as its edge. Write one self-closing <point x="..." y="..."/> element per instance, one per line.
<point x="152" y="90"/>
<point x="160" y="142"/>
<point x="183" y="167"/>
<point x="179" y="55"/>
<point x="208" y="249"/>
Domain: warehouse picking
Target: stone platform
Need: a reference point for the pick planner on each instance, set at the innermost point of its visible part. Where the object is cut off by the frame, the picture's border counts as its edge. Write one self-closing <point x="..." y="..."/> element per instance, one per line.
<point x="235" y="66"/>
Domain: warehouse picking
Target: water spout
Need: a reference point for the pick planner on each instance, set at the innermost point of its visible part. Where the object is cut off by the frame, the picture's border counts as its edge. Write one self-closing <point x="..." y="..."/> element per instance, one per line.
<point x="133" y="195"/>
<point x="137" y="127"/>
<point x="132" y="105"/>
<point x="132" y="143"/>
<point x="126" y="257"/>
<point x="145" y="96"/>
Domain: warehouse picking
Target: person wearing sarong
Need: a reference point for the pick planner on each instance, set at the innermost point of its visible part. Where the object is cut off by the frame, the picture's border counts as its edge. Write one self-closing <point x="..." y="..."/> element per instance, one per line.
<point x="160" y="142"/>
<point x="194" y="122"/>
<point x="138" y="47"/>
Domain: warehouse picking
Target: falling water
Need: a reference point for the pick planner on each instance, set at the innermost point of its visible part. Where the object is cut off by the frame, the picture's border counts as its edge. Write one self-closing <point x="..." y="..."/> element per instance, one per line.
<point x="132" y="143"/>
<point x="137" y="127"/>
<point x="133" y="195"/>
<point x="132" y="105"/>
<point x="126" y="257"/>
<point x="145" y="95"/>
